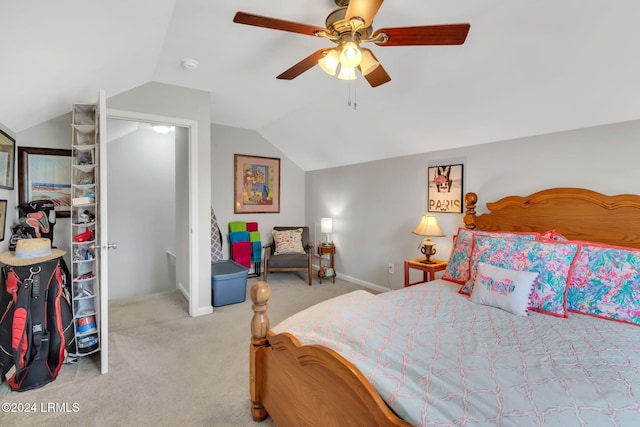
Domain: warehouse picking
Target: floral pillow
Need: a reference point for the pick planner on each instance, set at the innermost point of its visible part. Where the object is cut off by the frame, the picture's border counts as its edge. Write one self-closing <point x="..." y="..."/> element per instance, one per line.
<point x="502" y="288"/>
<point x="605" y="282"/>
<point x="457" y="270"/>
<point x="551" y="260"/>
<point x="288" y="241"/>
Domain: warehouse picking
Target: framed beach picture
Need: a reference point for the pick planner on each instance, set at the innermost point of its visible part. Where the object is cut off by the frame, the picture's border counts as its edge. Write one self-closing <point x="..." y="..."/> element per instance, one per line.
<point x="7" y="160"/>
<point x="445" y="188"/>
<point x="45" y="174"/>
<point x="256" y="184"/>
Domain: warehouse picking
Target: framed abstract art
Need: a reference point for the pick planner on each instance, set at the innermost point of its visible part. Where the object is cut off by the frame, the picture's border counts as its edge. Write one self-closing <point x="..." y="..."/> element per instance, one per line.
<point x="256" y="184"/>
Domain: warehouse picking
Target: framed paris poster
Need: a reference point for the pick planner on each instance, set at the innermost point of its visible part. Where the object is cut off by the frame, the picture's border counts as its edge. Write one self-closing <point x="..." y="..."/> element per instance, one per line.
<point x="445" y="188"/>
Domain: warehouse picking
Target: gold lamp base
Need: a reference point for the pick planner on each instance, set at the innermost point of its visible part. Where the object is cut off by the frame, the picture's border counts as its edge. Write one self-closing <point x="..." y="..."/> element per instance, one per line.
<point x="427" y="248"/>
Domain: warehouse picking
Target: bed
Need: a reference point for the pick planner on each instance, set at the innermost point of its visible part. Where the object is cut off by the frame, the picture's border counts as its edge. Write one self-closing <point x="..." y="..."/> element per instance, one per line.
<point x="569" y="356"/>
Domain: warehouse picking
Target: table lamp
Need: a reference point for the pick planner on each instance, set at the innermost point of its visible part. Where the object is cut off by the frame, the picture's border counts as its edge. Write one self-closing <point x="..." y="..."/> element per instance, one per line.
<point x="326" y="227"/>
<point x="428" y="227"/>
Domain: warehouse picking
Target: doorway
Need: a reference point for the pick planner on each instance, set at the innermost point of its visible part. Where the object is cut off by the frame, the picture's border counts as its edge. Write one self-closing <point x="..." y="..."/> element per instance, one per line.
<point x="142" y="206"/>
<point x="186" y="202"/>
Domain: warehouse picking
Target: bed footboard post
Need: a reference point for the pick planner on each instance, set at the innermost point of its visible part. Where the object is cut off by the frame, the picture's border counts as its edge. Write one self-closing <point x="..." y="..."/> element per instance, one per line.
<point x="260" y="293"/>
<point x="470" y="200"/>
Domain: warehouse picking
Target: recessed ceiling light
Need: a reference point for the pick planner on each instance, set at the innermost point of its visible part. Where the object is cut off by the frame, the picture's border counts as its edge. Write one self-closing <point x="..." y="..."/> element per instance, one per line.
<point x="162" y="129"/>
<point x="189" y="64"/>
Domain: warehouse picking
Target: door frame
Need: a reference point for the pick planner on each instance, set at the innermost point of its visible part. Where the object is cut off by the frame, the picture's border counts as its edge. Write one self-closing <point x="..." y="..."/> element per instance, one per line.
<point x="192" y="296"/>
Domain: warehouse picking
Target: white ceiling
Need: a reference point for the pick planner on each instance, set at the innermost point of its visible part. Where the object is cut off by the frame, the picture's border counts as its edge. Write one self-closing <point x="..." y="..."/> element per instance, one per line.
<point x="527" y="68"/>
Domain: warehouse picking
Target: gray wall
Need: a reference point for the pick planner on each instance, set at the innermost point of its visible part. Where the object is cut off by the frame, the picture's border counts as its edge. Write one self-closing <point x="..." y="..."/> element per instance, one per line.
<point x="182" y="206"/>
<point x="227" y="141"/>
<point x="376" y="205"/>
<point x="55" y="133"/>
<point x="141" y="212"/>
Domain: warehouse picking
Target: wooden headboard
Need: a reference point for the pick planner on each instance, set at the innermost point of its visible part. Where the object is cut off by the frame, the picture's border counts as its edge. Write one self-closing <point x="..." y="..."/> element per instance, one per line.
<point x="576" y="213"/>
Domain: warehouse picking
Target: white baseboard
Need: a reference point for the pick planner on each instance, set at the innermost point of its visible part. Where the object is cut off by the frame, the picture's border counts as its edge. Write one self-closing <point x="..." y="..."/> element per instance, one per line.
<point x="184" y="291"/>
<point x="202" y="311"/>
<point x="362" y="283"/>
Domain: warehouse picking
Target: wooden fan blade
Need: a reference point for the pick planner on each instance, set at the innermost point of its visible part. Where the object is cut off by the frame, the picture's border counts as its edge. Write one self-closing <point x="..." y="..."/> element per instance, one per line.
<point x="276" y="24"/>
<point x="425" y="35"/>
<point x="364" y="9"/>
<point x="302" y="66"/>
<point x="378" y="76"/>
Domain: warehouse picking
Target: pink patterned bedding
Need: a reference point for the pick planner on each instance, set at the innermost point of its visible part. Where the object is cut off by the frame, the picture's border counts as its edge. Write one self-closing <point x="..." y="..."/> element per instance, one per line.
<point x="438" y="359"/>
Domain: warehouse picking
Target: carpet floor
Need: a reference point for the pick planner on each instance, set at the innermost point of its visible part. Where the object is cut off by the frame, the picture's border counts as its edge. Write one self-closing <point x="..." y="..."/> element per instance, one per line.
<point x="165" y="368"/>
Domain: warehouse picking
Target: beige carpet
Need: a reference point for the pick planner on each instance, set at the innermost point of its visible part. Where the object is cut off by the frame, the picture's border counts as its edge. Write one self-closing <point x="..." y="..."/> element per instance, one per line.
<point x="166" y="368"/>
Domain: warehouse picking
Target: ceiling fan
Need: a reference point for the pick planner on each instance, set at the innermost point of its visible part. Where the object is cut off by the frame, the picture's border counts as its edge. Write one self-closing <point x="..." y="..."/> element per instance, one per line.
<point x="348" y="27"/>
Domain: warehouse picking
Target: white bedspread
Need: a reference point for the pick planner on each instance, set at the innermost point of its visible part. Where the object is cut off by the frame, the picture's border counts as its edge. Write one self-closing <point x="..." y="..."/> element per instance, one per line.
<point x="438" y="359"/>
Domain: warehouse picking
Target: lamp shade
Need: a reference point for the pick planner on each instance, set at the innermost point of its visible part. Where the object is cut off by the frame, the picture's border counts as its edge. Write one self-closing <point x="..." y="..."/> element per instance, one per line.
<point x="350" y="56"/>
<point x="329" y="62"/>
<point x="428" y="226"/>
<point x="347" y="73"/>
<point x="368" y="63"/>
<point x="326" y="225"/>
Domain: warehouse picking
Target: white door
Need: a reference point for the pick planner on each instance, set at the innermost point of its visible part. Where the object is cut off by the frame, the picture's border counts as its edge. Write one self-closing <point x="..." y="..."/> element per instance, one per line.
<point x="103" y="251"/>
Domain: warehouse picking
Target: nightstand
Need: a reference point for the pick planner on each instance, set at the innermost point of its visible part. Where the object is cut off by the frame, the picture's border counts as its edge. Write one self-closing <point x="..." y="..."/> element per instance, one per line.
<point x="326" y="249"/>
<point x="428" y="270"/>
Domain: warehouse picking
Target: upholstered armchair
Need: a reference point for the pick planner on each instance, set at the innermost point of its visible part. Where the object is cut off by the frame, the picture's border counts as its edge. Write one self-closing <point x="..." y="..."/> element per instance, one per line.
<point x="290" y="250"/>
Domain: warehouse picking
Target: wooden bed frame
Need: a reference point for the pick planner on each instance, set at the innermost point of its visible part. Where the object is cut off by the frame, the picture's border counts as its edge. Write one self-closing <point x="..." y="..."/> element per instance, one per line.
<point x="313" y="385"/>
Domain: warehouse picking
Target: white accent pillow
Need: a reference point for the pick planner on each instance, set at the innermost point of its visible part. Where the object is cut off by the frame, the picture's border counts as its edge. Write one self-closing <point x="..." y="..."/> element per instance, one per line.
<point x="502" y="288"/>
<point x="288" y="241"/>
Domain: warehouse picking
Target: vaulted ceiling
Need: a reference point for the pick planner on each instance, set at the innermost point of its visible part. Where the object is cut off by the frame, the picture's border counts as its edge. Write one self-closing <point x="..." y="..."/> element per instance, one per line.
<point x="526" y="68"/>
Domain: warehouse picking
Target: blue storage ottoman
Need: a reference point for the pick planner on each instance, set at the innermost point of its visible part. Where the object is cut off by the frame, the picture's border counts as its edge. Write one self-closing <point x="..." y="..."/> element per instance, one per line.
<point x="228" y="282"/>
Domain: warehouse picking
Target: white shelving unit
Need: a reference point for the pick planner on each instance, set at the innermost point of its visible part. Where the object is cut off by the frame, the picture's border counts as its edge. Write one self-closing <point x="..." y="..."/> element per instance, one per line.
<point x="84" y="221"/>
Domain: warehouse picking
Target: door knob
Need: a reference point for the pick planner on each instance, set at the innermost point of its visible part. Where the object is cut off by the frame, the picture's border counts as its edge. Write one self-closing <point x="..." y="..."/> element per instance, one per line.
<point x="105" y="245"/>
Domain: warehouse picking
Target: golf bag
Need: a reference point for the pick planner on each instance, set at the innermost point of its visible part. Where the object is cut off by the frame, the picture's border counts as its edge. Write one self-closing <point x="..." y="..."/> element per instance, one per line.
<point x="36" y="323"/>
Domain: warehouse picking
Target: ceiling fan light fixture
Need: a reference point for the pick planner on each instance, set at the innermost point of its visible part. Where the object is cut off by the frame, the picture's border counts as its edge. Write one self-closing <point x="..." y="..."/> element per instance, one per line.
<point x="329" y="63"/>
<point x="350" y="26"/>
<point x="351" y="55"/>
<point x="347" y="73"/>
<point x="368" y="63"/>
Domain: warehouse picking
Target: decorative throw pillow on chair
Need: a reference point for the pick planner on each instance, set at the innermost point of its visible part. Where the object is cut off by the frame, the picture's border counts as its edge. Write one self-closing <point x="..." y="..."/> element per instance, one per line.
<point x="288" y="241"/>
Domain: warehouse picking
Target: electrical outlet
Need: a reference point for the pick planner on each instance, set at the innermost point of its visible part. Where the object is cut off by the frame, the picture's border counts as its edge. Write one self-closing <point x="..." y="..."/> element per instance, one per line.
<point x="391" y="268"/>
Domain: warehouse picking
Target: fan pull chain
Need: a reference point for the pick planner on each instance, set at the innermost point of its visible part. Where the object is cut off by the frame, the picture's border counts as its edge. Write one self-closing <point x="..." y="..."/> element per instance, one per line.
<point x="355" y="94"/>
